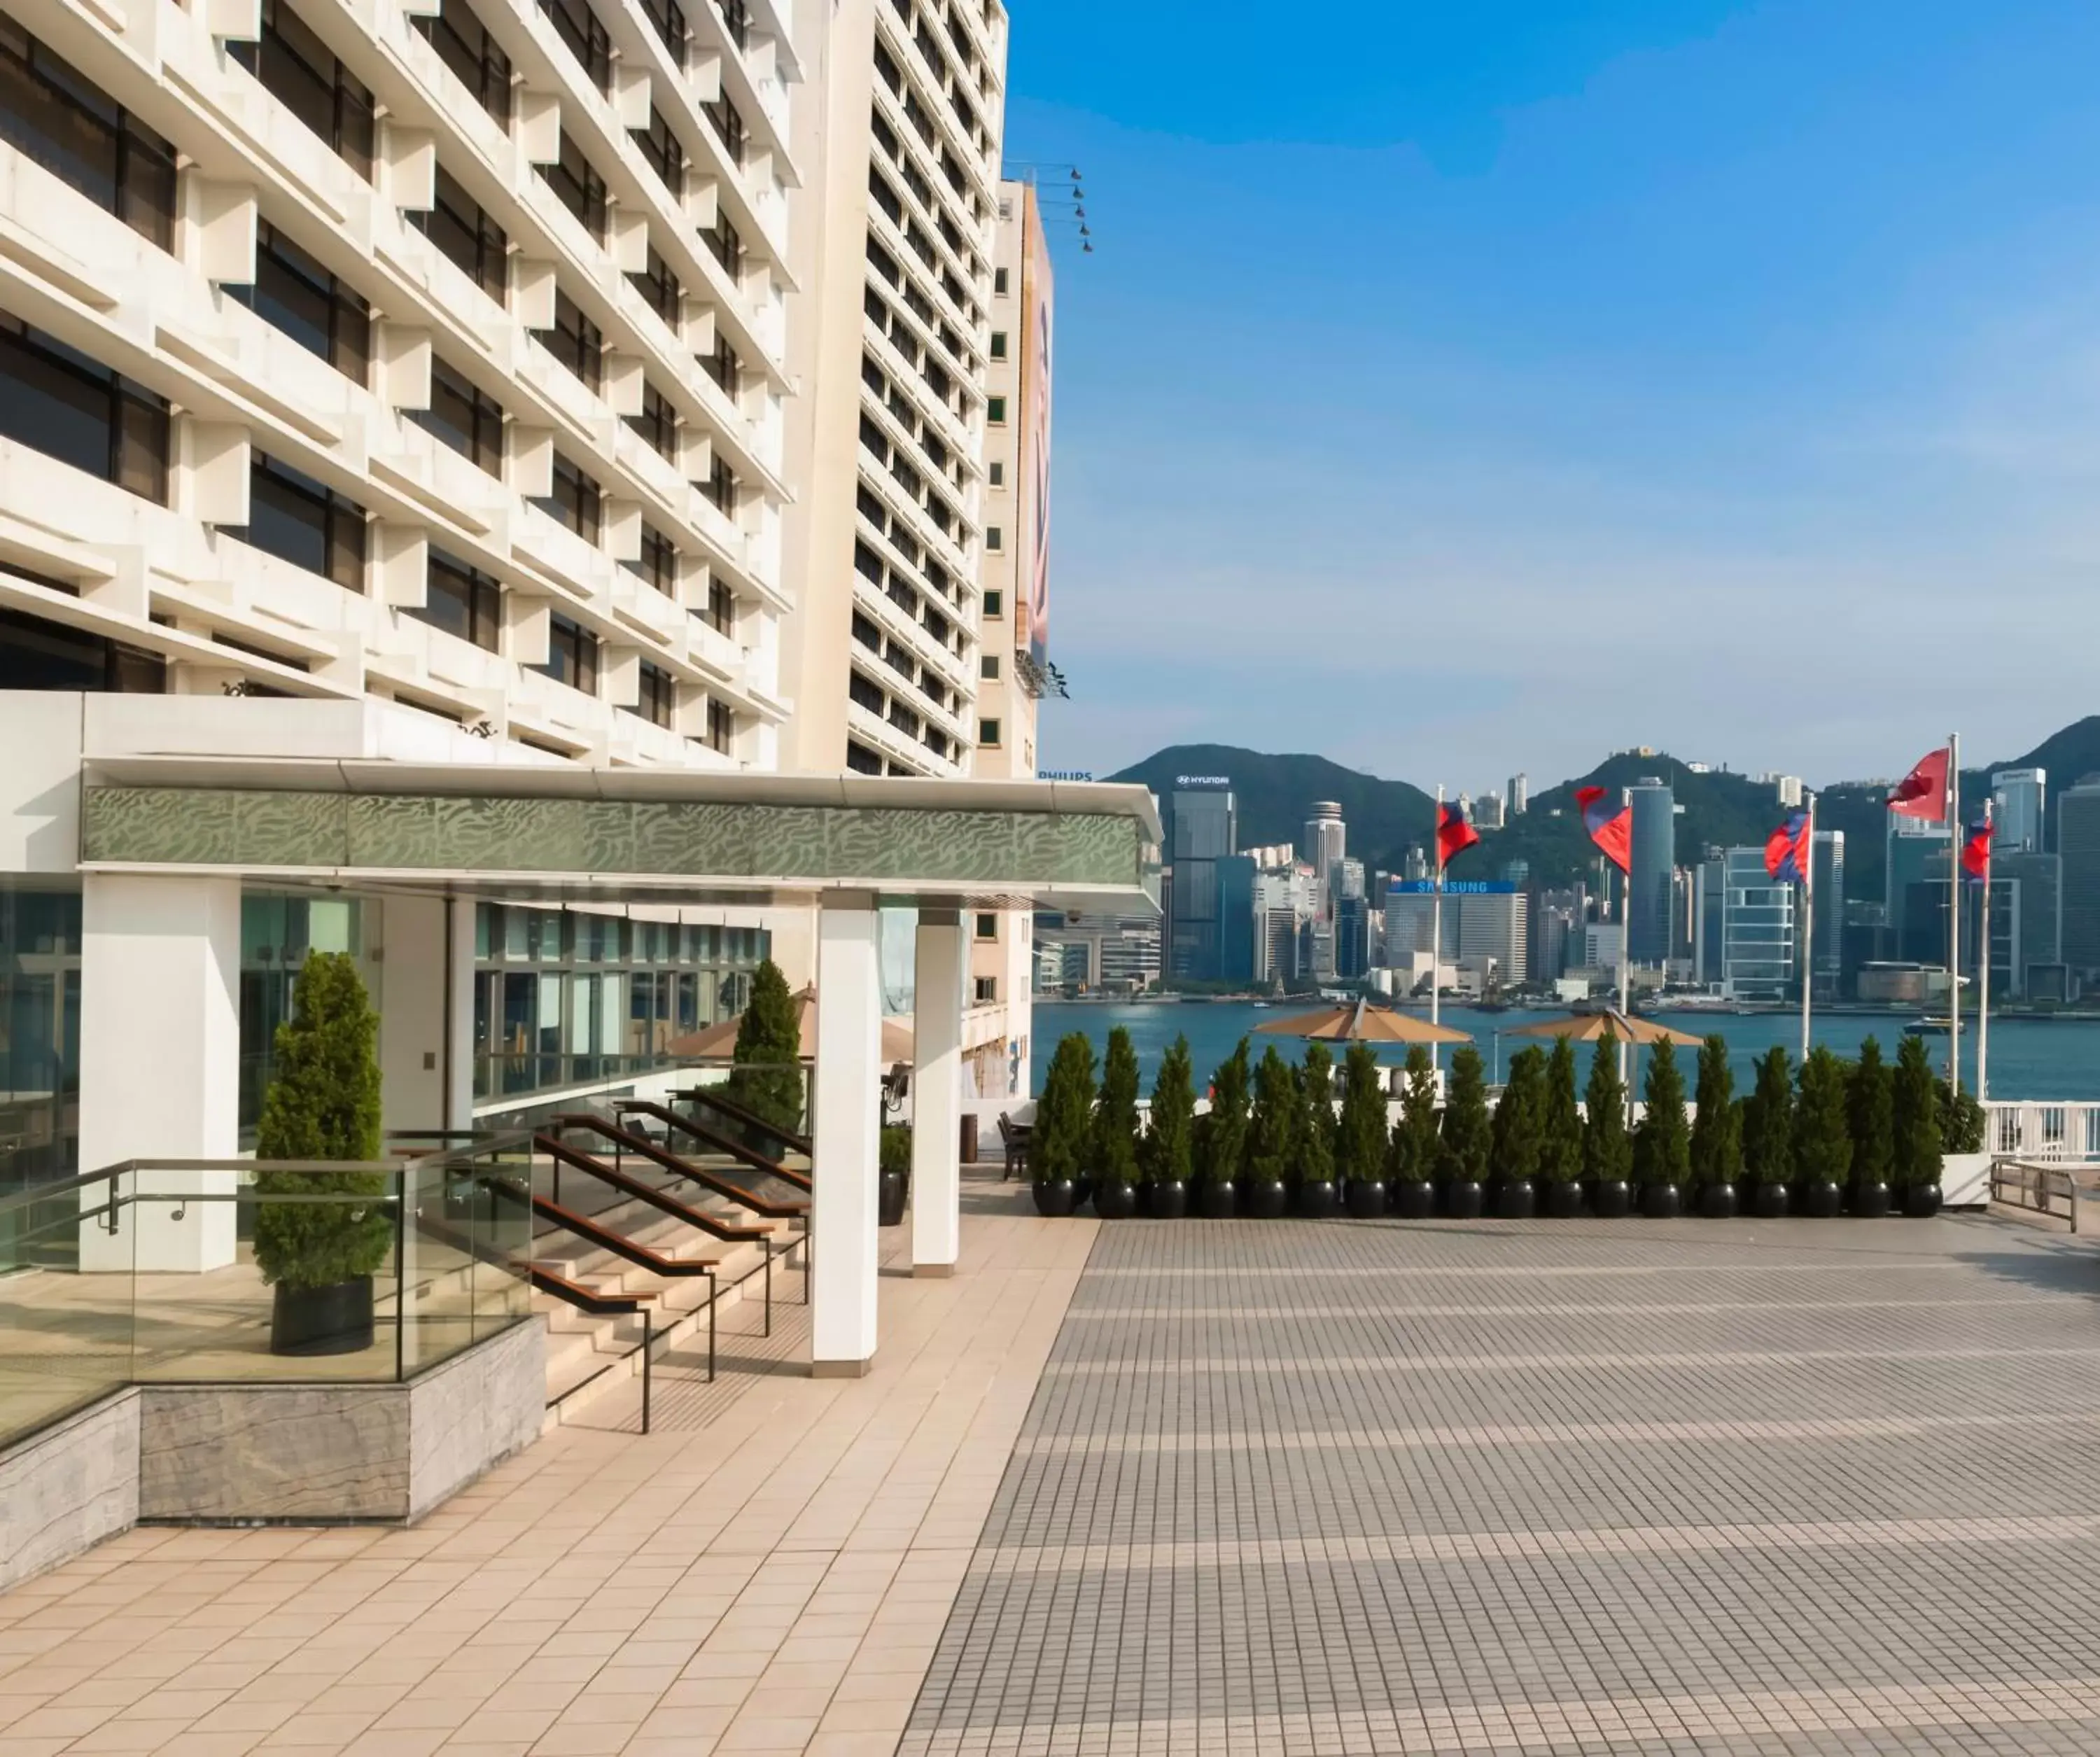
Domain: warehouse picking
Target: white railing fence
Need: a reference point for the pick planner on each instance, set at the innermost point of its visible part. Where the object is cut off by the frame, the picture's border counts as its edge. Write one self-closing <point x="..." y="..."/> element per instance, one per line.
<point x="2060" y="1132"/>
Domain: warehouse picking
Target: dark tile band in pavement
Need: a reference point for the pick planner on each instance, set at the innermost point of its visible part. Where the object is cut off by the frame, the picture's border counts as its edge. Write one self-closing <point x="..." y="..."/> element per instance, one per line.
<point x="1521" y="1487"/>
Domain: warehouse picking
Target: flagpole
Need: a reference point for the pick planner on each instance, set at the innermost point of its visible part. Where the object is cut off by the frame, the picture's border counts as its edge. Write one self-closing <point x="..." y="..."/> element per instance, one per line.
<point x="1808" y="934"/>
<point x="1983" y="971"/>
<point x="1437" y="927"/>
<point x="1626" y="974"/>
<point x="1953" y="815"/>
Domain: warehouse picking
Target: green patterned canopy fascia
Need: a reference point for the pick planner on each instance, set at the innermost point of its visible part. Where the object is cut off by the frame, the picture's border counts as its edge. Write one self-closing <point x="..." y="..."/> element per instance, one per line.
<point x="800" y="846"/>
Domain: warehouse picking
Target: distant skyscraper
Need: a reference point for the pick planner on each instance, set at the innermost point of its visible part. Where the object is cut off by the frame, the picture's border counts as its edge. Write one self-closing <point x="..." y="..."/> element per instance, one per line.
<point x="1519" y="794"/>
<point x="1326" y="841"/>
<point x="1827" y="949"/>
<point x="2078" y="847"/>
<point x="1202" y="831"/>
<point x="1747" y="926"/>
<point x="2027" y="919"/>
<point x="1488" y="813"/>
<point x="2018" y="797"/>
<point x="1654" y="860"/>
<point x="1916" y="893"/>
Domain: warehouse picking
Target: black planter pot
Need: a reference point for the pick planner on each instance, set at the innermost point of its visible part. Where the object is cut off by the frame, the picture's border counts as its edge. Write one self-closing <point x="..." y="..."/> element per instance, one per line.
<point x="1660" y="1202"/>
<point x="1216" y="1199"/>
<point x="1114" y="1200"/>
<point x="1464" y="1199"/>
<point x="890" y="1190"/>
<point x="1363" y="1199"/>
<point x="1612" y="1199"/>
<point x="1821" y="1199"/>
<point x="1267" y="1199"/>
<point x="1920" y="1203"/>
<point x="1870" y="1202"/>
<point x="1770" y="1203"/>
<point x="1317" y="1199"/>
<point x="332" y="1320"/>
<point x="1169" y="1199"/>
<point x="1413" y="1198"/>
<point x="1515" y="1199"/>
<point x="1054" y="1197"/>
<point x="1563" y="1199"/>
<point x="1717" y="1202"/>
<point x="1082" y="1191"/>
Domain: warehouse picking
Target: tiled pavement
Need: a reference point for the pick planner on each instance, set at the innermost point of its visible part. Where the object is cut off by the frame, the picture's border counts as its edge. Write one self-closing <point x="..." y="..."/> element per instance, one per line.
<point x="1555" y="1488"/>
<point x="1294" y="1489"/>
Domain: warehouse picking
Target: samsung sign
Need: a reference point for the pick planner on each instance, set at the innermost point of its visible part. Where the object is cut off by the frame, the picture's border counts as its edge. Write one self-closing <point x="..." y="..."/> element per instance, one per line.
<point x="1452" y="887"/>
<point x="1203" y="780"/>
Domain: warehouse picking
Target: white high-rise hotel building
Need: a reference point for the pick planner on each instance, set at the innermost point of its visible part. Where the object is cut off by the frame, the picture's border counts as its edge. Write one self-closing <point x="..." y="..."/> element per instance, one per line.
<point x="543" y="381"/>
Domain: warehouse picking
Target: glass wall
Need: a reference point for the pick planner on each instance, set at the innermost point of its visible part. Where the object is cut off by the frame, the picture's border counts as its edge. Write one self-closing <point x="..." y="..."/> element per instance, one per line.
<point x="277" y="931"/>
<point x="564" y="998"/>
<point x="39" y="1035"/>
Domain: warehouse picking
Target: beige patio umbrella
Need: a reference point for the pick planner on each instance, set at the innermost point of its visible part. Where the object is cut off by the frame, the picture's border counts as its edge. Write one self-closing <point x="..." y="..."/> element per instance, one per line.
<point x="717" y="1043"/>
<point x="1361" y="1023"/>
<point x="1590" y="1028"/>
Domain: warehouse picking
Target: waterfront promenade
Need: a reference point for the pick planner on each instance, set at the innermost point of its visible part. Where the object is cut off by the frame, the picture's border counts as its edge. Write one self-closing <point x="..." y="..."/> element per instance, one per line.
<point x="1361" y="1487"/>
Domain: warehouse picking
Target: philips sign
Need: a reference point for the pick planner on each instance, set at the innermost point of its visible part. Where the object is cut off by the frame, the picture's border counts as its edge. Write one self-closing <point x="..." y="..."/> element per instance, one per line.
<point x="1064" y="775"/>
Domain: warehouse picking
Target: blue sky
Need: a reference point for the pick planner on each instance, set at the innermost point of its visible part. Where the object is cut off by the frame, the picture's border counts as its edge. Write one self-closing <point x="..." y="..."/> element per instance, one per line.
<point x="1458" y="389"/>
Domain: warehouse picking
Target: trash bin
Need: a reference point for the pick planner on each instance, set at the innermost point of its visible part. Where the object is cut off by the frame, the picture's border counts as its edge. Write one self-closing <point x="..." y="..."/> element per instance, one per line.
<point x="970" y="1153"/>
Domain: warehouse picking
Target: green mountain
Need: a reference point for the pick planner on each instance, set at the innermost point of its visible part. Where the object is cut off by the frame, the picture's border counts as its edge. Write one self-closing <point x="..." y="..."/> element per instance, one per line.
<point x="1274" y="793"/>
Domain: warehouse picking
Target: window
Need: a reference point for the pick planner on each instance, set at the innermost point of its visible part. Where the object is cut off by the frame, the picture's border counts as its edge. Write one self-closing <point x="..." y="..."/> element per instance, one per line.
<point x="724" y="117"/>
<point x="578" y="26"/>
<point x="660" y="286"/>
<point x="721" y="487"/>
<point x="669" y="19"/>
<point x="860" y="759"/>
<point x="721" y="727"/>
<point x="723" y="366"/>
<point x="658" y="563"/>
<point x="575" y="341"/>
<point x="735" y="16"/>
<point x="999" y="344"/>
<point x="461" y="601"/>
<point x="302" y="73"/>
<point x="728" y="248"/>
<point x="721" y="613"/>
<point x="38" y="655"/>
<point x="660" y="695"/>
<point x="459" y="226"/>
<point x="987" y="927"/>
<point x="996" y="410"/>
<point x="987" y="990"/>
<point x="294" y="293"/>
<point x="995" y="603"/>
<point x="49" y="113"/>
<point x="576" y="502"/>
<point x="579" y="188"/>
<point x="999" y="281"/>
<point x="658" y="423"/>
<point x="997" y="474"/>
<point x="863" y="693"/>
<point x="58" y="401"/>
<point x="988" y="734"/>
<point x="988" y="668"/>
<point x="298" y="519"/>
<point x="665" y="154"/>
<point x="465" y="418"/>
<point x="463" y="44"/>
<point x="994" y="538"/>
<point x="867" y="634"/>
<point x="571" y="656"/>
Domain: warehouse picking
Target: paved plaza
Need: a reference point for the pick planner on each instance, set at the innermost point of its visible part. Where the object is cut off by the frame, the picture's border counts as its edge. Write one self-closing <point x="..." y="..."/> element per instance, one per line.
<point x="1356" y="1487"/>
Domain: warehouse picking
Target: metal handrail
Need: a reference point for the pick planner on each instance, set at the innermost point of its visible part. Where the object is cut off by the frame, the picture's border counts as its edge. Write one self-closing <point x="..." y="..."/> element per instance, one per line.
<point x="2035" y="1186"/>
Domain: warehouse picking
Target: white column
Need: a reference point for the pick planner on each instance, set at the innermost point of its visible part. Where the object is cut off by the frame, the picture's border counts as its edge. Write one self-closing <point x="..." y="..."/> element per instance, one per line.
<point x="413" y="977"/>
<point x="936" y="1093"/>
<point x="160" y="1060"/>
<point x="844" y="1140"/>
<point x="458" y="1058"/>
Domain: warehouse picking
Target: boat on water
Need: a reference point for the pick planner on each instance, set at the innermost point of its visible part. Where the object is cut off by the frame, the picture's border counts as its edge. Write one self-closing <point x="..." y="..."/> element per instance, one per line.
<point x="1929" y="1026"/>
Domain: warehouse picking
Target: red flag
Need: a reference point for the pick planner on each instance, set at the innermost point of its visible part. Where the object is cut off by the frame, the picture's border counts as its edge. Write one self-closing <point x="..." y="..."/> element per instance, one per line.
<point x="1922" y="793"/>
<point x="1609" y="819"/>
<point x="1454" y="835"/>
<point x="1787" y="850"/>
<point x="1976" y="851"/>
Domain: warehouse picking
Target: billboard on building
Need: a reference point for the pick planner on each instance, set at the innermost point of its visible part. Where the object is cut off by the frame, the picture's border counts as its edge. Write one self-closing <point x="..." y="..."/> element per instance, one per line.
<point x="1032" y="556"/>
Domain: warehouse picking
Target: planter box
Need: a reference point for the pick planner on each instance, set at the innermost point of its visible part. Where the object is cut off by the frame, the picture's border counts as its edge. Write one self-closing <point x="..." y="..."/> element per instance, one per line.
<point x="1965" y="1180"/>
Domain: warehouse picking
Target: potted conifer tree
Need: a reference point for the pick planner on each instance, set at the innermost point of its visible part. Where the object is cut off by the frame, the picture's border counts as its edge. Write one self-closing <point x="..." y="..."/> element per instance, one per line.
<point x="1715" y="1158"/>
<point x="1519" y="1137"/>
<point x="1608" y="1154"/>
<point x="1361" y="1136"/>
<point x="766" y="1072"/>
<point x="1275" y="1131"/>
<point x="893" y="1174"/>
<point x="1768" y="1135"/>
<point x="1115" y="1130"/>
<point x="1316" y="1094"/>
<point x="1466" y="1137"/>
<point x="1222" y="1168"/>
<point x="1411" y="1154"/>
<point x="1059" y="1143"/>
<point x="322" y="1103"/>
<point x="1915" y="1128"/>
<point x="1822" y="1136"/>
<point x="1964" y="1163"/>
<point x="1170" y="1140"/>
<point x="1560" y="1135"/>
<point x="1870" y="1114"/>
<point x="1662" y="1146"/>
